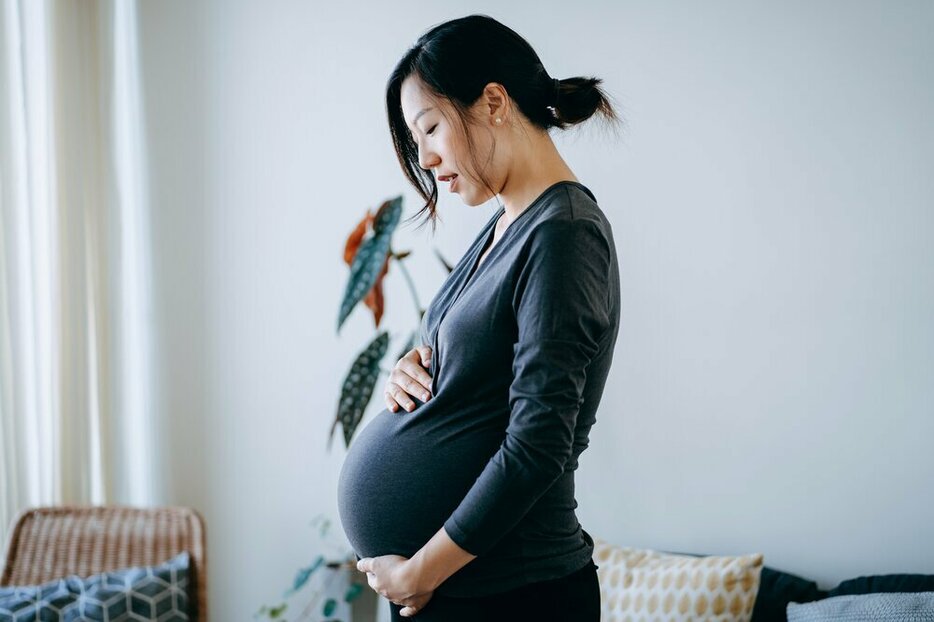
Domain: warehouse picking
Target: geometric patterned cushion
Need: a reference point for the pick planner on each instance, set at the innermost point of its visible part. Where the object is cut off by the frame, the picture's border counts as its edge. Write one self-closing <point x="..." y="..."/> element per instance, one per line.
<point x="643" y="585"/>
<point x="886" y="607"/>
<point x="158" y="593"/>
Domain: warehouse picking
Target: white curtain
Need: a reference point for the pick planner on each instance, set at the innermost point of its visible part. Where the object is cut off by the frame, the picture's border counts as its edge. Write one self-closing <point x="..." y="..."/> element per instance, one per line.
<point x="75" y="321"/>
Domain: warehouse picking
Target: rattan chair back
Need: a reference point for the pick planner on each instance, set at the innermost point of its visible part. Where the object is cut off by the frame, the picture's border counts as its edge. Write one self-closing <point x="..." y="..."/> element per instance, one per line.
<point x="52" y="542"/>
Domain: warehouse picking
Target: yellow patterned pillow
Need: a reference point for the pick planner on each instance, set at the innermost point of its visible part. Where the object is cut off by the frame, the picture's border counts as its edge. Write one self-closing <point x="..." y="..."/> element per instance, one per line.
<point x="648" y="586"/>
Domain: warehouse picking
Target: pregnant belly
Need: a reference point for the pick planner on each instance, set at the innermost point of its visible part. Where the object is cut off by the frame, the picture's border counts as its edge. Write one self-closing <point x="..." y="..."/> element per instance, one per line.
<point x="405" y="473"/>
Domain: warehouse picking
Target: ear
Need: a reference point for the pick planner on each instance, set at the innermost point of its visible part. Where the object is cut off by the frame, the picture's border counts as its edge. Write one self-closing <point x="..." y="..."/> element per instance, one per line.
<point x="496" y="100"/>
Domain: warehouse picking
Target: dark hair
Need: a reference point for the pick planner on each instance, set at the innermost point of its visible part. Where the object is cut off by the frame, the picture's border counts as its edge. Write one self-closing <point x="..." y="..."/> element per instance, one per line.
<point x="455" y="60"/>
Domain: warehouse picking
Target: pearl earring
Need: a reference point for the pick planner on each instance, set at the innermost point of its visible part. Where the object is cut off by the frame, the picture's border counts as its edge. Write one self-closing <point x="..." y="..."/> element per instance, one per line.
<point x="498" y="120"/>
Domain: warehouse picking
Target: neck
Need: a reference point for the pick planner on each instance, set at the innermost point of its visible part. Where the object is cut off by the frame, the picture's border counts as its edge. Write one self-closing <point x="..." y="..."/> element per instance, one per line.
<point x="538" y="166"/>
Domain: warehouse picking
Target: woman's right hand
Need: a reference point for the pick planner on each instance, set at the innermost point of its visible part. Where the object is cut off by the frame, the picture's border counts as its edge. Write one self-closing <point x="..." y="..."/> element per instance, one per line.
<point x="409" y="378"/>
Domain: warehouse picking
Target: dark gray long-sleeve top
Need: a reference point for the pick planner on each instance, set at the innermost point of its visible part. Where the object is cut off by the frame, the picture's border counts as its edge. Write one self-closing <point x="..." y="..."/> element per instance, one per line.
<point x="522" y="347"/>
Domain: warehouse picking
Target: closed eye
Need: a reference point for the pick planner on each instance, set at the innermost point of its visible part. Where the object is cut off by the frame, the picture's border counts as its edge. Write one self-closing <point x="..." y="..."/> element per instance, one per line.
<point x="431" y="130"/>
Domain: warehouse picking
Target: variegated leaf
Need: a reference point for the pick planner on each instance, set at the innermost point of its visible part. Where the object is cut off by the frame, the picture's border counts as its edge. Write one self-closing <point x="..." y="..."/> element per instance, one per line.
<point x="370" y="258"/>
<point x="358" y="387"/>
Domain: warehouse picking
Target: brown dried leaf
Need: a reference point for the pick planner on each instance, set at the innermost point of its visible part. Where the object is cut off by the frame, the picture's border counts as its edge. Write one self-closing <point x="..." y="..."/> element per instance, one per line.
<point x="374" y="298"/>
<point x="356" y="237"/>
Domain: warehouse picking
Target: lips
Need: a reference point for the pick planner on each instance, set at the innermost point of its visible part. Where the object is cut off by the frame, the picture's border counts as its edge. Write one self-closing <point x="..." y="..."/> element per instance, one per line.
<point x="451" y="178"/>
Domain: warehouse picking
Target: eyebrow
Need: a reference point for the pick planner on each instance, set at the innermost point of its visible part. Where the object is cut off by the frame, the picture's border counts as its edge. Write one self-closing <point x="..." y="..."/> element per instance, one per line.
<point x="419" y="115"/>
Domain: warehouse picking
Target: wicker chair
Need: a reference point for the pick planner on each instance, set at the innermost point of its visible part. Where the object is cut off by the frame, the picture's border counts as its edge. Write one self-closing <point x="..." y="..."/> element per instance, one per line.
<point x="51" y="542"/>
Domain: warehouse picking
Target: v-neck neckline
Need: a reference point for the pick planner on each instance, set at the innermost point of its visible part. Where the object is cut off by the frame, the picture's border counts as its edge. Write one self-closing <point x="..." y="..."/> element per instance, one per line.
<point x="476" y="263"/>
<point x="488" y="240"/>
<point x="487" y="246"/>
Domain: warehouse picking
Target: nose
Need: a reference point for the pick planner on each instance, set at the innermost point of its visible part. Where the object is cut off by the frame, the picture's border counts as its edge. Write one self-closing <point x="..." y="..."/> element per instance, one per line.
<point x="427" y="159"/>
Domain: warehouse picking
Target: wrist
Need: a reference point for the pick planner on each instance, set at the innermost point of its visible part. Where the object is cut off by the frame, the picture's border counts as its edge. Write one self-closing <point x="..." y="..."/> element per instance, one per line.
<point x="421" y="574"/>
<point x="435" y="562"/>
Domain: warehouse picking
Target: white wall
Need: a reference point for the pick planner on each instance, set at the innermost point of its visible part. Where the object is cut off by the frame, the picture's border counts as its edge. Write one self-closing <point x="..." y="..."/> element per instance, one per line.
<point x="772" y="204"/>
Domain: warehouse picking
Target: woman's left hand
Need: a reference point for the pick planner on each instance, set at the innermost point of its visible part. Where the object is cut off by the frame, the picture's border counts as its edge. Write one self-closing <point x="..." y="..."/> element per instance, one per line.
<point x="393" y="577"/>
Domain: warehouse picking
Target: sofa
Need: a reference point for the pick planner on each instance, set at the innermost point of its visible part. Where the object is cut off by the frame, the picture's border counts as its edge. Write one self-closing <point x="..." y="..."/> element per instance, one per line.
<point x="642" y="584"/>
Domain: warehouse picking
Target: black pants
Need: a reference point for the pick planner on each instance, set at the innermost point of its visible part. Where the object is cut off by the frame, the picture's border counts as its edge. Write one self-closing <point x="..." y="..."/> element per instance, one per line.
<point x="574" y="598"/>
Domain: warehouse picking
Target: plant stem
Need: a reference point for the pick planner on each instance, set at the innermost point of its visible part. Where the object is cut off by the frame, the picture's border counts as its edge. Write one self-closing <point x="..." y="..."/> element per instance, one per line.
<point x="324" y="591"/>
<point x="408" y="279"/>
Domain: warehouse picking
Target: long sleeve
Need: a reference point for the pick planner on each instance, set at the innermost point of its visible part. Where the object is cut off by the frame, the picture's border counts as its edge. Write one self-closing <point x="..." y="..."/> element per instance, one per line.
<point x="561" y="307"/>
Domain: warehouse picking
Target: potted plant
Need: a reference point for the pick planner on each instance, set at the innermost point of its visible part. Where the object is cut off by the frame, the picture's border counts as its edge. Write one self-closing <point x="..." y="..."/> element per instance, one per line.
<point x="368" y="251"/>
<point x="325" y="588"/>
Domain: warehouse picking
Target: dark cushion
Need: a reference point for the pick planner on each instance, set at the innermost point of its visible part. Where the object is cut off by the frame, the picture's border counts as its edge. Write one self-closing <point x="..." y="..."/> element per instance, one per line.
<point x="777" y="589"/>
<point x="143" y="593"/>
<point x="885" y="583"/>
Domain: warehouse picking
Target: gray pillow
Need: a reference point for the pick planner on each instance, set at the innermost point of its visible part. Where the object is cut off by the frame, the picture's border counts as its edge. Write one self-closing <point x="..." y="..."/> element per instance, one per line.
<point x="886" y="607"/>
<point x="144" y="593"/>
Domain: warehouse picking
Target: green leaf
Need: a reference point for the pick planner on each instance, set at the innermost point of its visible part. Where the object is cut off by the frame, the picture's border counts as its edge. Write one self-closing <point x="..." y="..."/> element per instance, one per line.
<point x="353" y="591"/>
<point x="387" y="217"/>
<point x="358" y="387"/>
<point x="329" y="606"/>
<point x="303" y="575"/>
<point x="275" y="612"/>
<point x="370" y="257"/>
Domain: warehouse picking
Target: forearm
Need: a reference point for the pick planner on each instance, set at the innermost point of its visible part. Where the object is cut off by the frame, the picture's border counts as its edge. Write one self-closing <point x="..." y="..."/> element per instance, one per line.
<point x="439" y="559"/>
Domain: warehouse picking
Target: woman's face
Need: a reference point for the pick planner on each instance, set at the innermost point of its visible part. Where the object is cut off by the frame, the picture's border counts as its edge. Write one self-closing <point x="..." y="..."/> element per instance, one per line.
<point x="442" y="146"/>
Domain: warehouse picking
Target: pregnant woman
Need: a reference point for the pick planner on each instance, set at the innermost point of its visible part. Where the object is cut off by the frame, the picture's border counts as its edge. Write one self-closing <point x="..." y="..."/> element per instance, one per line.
<point x="458" y="498"/>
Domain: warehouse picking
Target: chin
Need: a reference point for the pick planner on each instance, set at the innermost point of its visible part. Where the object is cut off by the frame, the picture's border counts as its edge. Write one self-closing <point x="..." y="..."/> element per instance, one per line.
<point x="474" y="200"/>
